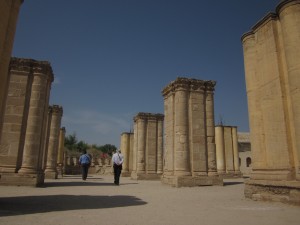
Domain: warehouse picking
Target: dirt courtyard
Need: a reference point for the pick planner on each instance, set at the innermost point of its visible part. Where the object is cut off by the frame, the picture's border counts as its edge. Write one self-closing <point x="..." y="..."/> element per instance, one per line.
<point x="71" y="201"/>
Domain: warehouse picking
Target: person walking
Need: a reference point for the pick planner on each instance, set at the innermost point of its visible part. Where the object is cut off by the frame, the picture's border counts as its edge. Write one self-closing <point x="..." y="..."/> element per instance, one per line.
<point x="117" y="160"/>
<point x="85" y="162"/>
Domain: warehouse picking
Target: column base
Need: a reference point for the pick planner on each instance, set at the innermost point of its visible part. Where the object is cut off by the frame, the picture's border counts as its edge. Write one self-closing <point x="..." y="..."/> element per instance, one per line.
<point x="277" y="191"/>
<point x="16" y="179"/>
<point x="51" y="175"/>
<point x="126" y="174"/>
<point x="191" y="181"/>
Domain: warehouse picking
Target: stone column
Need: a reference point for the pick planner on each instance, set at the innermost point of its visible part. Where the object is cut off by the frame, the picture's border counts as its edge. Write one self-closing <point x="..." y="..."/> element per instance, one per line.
<point x="9" y="11"/>
<point x="131" y="144"/>
<point x="134" y="152"/>
<point x="181" y="141"/>
<point x="220" y="149"/>
<point x="168" y="159"/>
<point x="125" y="149"/>
<point x="228" y="150"/>
<point x="61" y="148"/>
<point x="141" y="129"/>
<point x="197" y="128"/>
<point x="159" y="168"/>
<point x="235" y="151"/>
<point x="148" y="144"/>
<point x="289" y="14"/>
<point x="189" y="133"/>
<point x="210" y="126"/>
<point x="42" y="76"/>
<point x="272" y="60"/>
<point x="51" y="171"/>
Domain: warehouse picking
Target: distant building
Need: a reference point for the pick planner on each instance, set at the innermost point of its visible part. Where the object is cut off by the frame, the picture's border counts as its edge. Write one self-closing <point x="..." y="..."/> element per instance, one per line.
<point x="245" y="158"/>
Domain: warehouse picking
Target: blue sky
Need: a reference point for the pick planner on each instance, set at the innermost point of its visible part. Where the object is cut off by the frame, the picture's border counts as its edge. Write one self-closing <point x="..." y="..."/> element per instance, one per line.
<point x="112" y="58"/>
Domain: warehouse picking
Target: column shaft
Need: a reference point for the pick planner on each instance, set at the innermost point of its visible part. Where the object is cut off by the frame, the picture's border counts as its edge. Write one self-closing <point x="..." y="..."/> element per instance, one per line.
<point x="220" y="149"/>
<point x="34" y="125"/>
<point x="210" y="126"/>
<point x="181" y="142"/>
<point x="159" y="169"/>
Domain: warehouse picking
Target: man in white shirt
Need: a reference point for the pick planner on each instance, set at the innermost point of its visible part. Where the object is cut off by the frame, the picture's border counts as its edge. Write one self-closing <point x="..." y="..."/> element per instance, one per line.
<point x="117" y="160"/>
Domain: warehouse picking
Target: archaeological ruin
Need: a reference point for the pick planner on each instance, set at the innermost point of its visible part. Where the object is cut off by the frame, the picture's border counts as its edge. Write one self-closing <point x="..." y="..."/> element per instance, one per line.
<point x="148" y="146"/>
<point x="24" y="132"/>
<point x="9" y="11"/>
<point x="53" y="143"/>
<point x="126" y="146"/>
<point x="227" y="152"/>
<point x="189" y="134"/>
<point x="272" y="71"/>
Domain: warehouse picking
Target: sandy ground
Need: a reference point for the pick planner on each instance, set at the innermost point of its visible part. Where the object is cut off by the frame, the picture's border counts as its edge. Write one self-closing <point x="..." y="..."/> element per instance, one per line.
<point x="71" y="201"/>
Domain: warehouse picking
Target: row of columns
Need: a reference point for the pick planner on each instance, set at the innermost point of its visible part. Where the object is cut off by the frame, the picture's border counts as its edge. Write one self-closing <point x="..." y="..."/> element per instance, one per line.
<point x="227" y="150"/>
<point x="147" y="146"/>
<point x="31" y="127"/>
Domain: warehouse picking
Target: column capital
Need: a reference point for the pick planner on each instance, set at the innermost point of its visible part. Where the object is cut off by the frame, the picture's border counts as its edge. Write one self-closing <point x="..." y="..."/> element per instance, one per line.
<point x="56" y="109"/>
<point x="189" y="84"/>
<point x="31" y="66"/>
<point x="148" y="116"/>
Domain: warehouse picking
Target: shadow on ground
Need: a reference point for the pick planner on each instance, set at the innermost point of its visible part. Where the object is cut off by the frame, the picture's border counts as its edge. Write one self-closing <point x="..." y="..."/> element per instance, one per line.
<point x="12" y="206"/>
<point x="226" y="183"/>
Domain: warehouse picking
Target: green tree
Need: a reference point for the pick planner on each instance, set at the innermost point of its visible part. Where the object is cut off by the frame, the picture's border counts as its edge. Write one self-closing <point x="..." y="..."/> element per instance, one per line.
<point x="71" y="142"/>
<point x="81" y="146"/>
<point x="108" y="148"/>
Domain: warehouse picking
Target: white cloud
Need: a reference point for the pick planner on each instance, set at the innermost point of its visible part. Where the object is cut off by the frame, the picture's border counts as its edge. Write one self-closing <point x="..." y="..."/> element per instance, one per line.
<point x="96" y="127"/>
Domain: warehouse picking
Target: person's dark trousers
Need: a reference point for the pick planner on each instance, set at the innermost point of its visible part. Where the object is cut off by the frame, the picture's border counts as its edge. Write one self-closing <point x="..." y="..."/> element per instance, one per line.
<point x="117" y="173"/>
<point x="84" y="171"/>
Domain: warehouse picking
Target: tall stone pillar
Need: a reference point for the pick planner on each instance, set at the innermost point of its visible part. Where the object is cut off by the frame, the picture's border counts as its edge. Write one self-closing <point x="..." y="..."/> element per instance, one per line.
<point x="272" y="71"/>
<point x="141" y="145"/>
<point x="235" y="151"/>
<point x="220" y="149"/>
<point x="149" y="146"/>
<point x="159" y="159"/>
<point x="61" y="149"/>
<point x="289" y="15"/>
<point x="210" y="128"/>
<point x="9" y="11"/>
<point x="168" y="157"/>
<point x="135" y="147"/>
<point x="36" y="115"/>
<point x="127" y="152"/>
<point x="227" y="151"/>
<point x="189" y="134"/>
<point x="51" y="171"/>
<point x="29" y="100"/>
<point x="181" y="142"/>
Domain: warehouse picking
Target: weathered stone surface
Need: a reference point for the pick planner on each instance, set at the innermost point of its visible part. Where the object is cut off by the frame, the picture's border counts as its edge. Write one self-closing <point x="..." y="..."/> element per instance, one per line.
<point x="189" y="153"/>
<point x="272" y="70"/>
<point x="148" y="146"/>
<point x="9" y="11"/>
<point x="23" y="133"/>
